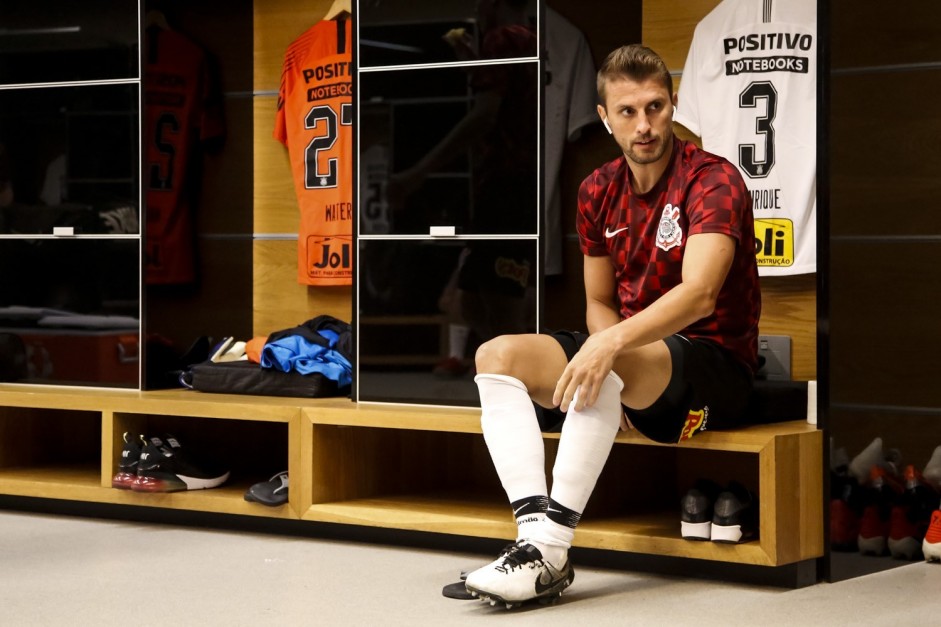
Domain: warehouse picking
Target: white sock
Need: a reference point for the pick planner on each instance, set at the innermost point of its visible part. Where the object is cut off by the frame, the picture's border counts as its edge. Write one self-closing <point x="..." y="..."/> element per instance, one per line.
<point x="512" y="434"/>
<point x="527" y="525"/>
<point x="586" y="441"/>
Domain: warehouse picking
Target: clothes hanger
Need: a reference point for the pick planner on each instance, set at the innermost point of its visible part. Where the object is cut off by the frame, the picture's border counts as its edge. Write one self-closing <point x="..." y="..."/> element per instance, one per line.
<point x="338" y="9"/>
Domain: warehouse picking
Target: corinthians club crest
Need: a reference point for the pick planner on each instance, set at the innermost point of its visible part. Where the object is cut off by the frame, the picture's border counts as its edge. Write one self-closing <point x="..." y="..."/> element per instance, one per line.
<point x="669" y="233"/>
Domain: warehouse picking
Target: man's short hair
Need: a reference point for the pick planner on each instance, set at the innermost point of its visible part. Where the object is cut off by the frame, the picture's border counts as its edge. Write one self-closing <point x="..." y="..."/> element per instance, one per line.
<point x="635" y="62"/>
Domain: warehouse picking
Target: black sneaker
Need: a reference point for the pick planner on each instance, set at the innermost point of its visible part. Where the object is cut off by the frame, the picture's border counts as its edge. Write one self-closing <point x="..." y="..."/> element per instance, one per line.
<point x="164" y="468"/>
<point x="735" y="515"/>
<point x="127" y="467"/>
<point x="272" y="492"/>
<point x="696" y="509"/>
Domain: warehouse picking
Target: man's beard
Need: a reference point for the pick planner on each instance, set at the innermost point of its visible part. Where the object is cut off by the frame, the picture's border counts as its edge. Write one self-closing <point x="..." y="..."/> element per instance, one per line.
<point x="646" y="157"/>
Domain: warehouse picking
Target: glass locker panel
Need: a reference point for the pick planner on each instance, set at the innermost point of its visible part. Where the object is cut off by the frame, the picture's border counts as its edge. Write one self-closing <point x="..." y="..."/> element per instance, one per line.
<point x="424" y="307"/>
<point x="453" y="149"/>
<point x="69" y="311"/>
<point x="69" y="158"/>
<point x="46" y="41"/>
<point x="432" y="31"/>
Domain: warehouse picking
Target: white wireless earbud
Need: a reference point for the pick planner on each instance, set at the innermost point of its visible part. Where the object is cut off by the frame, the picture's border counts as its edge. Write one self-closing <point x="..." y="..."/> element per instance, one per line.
<point x="607" y="126"/>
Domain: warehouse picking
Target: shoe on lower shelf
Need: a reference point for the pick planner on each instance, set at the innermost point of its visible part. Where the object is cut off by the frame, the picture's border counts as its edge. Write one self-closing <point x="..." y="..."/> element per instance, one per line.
<point x="735" y="515"/>
<point x="127" y="466"/>
<point x="164" y="467"/>
<point x="696" y="510"/>
<point x="273" y="492"/>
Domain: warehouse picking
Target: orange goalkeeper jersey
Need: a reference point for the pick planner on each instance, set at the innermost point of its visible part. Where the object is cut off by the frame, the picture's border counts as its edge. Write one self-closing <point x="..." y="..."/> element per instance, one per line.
<point x="315" y="122"/>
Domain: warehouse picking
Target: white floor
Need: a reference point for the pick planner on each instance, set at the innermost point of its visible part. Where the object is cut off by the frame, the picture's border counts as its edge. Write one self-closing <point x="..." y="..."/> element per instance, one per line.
<point x="79" y="571"/>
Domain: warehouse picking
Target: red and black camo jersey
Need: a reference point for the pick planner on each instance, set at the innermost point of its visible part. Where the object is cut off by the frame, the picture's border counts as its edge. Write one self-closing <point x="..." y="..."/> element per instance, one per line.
<point x="645" y="235"/>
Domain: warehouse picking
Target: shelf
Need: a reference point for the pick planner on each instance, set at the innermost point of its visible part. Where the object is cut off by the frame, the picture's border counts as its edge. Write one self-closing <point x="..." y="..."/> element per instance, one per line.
<point x="418" y="468"/>
<point x="83" y="483"/>
<point x="54" y="481"/>
<point x="454" y="514"/>
<point x="226" y="499"/>
<point x="393" y="466"/>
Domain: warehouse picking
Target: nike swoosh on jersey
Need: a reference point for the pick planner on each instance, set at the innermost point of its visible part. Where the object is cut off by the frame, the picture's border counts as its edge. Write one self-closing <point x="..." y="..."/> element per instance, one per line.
<point x="609" y="233"/>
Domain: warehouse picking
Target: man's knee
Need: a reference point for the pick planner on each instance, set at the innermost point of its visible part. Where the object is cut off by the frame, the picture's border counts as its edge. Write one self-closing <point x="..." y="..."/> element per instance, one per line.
<point x="497" y="356"/>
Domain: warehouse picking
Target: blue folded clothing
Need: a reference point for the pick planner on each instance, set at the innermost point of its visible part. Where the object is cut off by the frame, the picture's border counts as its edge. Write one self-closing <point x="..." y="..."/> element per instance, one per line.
<point x="295" y="352"/>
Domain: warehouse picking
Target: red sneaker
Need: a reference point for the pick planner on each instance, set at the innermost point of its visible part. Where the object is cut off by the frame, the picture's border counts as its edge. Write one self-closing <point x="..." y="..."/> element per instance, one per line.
<point x="883" y="491"/>
<point x="931" y="546"/>
<point x="909" y="522"/>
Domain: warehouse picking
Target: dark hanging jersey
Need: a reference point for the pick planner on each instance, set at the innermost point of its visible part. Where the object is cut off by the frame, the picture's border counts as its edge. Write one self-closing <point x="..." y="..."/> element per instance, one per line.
<point x="314" y="120"/>
<point x="181" y="112"/>
<point x="645" y="236"/>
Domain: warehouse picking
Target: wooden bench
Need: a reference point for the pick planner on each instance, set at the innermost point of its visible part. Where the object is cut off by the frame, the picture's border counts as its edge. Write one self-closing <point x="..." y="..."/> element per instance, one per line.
<point x="422" y="469"/>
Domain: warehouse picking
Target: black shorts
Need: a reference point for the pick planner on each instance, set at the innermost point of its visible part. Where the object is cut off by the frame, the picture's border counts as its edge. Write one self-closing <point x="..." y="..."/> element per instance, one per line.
<point x="709" y="390"/>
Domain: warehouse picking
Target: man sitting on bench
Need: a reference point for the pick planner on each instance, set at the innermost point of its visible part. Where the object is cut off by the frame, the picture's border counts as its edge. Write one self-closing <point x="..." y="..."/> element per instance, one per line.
<point x="673" y="305"/>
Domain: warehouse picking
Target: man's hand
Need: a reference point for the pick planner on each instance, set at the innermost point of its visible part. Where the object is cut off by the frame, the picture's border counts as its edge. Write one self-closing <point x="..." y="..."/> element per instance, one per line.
<point x="586" y="372"/>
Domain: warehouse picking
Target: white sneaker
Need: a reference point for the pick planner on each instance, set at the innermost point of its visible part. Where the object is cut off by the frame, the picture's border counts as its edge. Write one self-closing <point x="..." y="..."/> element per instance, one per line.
<point x="932" y="471"/>
<point x="520" y="574"/>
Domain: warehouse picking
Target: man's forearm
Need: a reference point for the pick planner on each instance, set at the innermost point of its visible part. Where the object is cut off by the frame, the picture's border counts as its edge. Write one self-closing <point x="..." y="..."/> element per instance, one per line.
<point x="673" y="312"/>
<point x="600" y="316"/>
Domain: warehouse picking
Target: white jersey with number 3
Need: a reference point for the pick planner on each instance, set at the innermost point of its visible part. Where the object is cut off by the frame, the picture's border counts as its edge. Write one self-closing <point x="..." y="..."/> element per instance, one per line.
<point x="749" y="91"/>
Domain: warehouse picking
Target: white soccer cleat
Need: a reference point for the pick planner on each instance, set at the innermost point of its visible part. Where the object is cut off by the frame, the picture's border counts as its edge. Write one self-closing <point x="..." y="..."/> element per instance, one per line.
<point x="518" y="575"/>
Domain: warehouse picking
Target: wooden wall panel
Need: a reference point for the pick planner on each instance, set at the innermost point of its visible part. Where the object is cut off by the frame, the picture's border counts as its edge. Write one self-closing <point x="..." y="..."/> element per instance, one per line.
<point x="277" y="24"/>
<point x="883" y="338"/>
<point x="669" y="26"/>
<point x="279" y="300"/>
<point x="789" y="307"/>
<point x="275" y="201"/>
<point x="865" y="34"/>
<point x="885" y="176"/>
